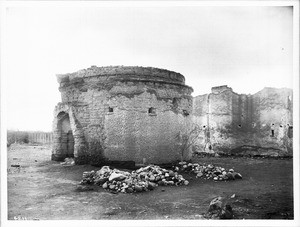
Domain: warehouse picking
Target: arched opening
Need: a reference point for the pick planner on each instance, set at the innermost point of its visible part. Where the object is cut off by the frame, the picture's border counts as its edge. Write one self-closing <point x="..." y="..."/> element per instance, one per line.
<point x="65" y="135"/>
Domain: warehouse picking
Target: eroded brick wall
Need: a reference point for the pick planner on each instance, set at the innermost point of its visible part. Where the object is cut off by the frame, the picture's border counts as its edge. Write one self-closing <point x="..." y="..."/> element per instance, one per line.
<point x="126" y="113"/>
<point x="231" y="120"/>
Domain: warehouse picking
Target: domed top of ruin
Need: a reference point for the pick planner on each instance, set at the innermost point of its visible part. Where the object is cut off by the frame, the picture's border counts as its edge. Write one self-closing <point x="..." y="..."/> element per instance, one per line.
<point x="124" y="73"/>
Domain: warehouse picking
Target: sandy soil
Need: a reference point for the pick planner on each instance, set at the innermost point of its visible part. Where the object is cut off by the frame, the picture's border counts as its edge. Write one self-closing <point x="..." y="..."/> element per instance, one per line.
<point x="43" y="189"/>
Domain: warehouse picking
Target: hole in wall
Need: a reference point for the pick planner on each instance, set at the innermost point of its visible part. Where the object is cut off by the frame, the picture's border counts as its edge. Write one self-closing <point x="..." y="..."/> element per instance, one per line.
<point x="290" y="132"/>
<point x="110" y="109"/>
<point x="152" y="110"/>
<point x="185" y="113"/>
<point x="239" y="126"/>
<point x="272" y="133"/>
<point x="175" y="102"/>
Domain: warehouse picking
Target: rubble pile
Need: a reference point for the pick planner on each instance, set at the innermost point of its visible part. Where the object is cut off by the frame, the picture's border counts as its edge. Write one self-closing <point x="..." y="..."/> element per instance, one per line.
<point x="151" y="176"/>
<point x="68" y="161"/>
<point x="208" y="171"/>
<point x="219" y="208"/>
<point x="143" y="179"/>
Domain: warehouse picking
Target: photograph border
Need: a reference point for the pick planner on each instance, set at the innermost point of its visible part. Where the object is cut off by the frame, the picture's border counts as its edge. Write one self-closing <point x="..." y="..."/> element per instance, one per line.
<point x="3" y="156"/>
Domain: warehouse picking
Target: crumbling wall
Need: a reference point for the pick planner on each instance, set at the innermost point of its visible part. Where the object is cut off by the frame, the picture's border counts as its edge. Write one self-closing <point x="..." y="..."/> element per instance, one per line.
<point x="128" y="113"/>
<point x="235" y="120"/>
<point x="273" y="117"/>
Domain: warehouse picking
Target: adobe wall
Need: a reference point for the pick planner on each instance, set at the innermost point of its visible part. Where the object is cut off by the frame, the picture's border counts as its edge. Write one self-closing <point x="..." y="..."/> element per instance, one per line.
<point x="109" y="107"/>
<point x="230" y="120"/>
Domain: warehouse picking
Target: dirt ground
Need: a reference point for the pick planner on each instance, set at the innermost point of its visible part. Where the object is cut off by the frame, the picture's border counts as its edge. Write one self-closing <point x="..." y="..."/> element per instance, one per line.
<point x="43" y="189"/>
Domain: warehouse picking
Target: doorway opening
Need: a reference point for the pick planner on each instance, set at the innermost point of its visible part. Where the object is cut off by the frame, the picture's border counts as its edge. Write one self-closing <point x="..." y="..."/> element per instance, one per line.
<point x="65" y="135"/>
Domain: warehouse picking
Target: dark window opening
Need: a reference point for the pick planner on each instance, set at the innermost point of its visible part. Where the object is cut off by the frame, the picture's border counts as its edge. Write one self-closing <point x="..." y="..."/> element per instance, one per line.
<point x="175" y="102"/>
<point x="272" y="133"/>
<point x="290" y="131"/>
<point x="151" y="110"/>
<point x="185" y="113"/>
<point x="110" y="109"/>
<point x="209" y="147"/>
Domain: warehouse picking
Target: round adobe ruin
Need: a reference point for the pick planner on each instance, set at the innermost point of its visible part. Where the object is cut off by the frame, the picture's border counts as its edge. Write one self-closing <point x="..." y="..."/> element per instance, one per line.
<point x="120" y="113"/>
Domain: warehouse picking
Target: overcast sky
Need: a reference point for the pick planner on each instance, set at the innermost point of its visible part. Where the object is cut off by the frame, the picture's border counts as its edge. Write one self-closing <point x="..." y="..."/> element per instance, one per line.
<point x="246" y="48"/>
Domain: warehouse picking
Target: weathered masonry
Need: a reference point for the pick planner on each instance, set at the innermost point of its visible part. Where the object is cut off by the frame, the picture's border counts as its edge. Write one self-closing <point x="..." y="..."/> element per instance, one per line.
<point x="139" y="113"/>
<point x="121" y="113"/>
<point x="229" y="120"/>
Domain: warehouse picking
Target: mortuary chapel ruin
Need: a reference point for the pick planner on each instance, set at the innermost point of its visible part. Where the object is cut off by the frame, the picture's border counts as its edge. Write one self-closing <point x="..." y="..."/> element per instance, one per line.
<point x="121" y="113"/>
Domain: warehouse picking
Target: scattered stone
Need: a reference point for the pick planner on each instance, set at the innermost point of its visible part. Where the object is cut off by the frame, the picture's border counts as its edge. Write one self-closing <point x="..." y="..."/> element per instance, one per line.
<point x="68" y="161"/>
<point x="151" y="185"/>
<point x="104" y="170"/>
<point x="151" y="176"/>
<point x="208" y="171"/>
<point x="138" y="188"/>
<point x="230" y="176"/>
<point x="215" y="204"/>
<point x="129" y="190"/>
<point x="218" y="209"/>
<point x="105" y="186"/>
<point x="199" y="174"/>
<point x="226" y="212"/>
<point x="100" y="181"/>
<point x="143" y="179"/>
<point x="116" y="176"/>
<point x="237" y="175"/>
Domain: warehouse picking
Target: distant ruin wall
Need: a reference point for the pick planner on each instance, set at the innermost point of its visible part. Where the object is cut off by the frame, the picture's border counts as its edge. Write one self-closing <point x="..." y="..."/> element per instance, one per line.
<point x="40" y="137"/>
<point x="230" y="120"/>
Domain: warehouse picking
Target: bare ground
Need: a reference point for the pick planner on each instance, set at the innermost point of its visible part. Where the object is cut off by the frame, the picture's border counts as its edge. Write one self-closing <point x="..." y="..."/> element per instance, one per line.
<point x="43" y="189"/>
